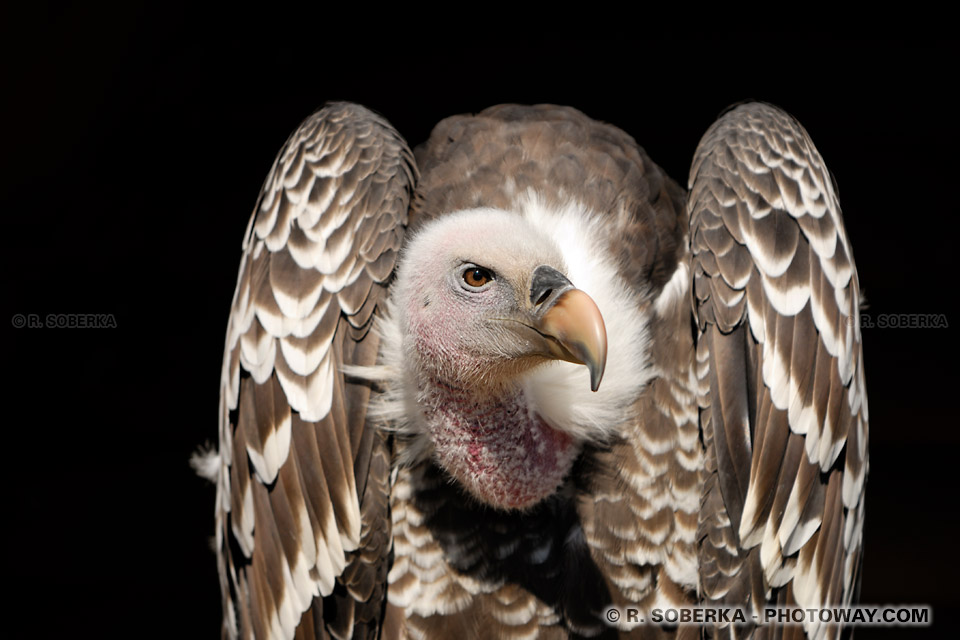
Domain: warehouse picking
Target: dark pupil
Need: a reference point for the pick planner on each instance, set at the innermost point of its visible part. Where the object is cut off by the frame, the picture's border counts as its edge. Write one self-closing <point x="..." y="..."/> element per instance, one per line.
<point x="477" y="277"/>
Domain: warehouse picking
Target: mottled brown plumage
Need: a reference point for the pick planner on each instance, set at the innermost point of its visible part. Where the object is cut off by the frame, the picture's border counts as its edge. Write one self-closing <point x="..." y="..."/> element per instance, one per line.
<point x="733" y="474"/>
<point x="784" y="410"/>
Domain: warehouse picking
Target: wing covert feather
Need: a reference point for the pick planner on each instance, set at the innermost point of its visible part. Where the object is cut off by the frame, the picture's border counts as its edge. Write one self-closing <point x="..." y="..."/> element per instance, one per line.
<point x="782" y="395"/>
<point x="302" y="511"/>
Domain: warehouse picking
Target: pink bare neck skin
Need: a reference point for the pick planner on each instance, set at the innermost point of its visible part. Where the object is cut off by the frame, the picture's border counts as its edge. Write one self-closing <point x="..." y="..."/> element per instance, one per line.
<point x="484" y="432"/>
<point x="502" y="452"/>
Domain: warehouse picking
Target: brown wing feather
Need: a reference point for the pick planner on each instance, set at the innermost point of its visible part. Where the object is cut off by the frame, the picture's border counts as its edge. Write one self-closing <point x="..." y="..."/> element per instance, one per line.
<point x="783" y="401"/>
<point x="302" y="515"/>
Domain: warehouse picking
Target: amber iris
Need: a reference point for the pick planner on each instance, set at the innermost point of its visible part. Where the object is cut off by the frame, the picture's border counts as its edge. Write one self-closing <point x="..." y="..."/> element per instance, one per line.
<point x="477" y="276"/>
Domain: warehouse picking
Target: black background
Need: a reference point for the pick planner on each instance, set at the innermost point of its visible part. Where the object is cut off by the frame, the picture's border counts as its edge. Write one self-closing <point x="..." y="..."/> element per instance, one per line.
<point x="135" y="146"/>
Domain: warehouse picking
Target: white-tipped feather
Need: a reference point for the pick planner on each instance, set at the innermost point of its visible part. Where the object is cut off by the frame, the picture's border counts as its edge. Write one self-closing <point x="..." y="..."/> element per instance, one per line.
<point x="299" y="306"/>
<point x="326" y="568"/>
<point x="277" y="239"/>
<point x="302" y="355"/>
<point x="788" y="302"/>
<point x="263" y="465"/>
<point x="243" y="526"/>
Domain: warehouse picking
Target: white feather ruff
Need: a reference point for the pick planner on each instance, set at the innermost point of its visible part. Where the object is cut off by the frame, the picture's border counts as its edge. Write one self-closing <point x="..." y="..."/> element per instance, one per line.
<point x="559" y="391"/>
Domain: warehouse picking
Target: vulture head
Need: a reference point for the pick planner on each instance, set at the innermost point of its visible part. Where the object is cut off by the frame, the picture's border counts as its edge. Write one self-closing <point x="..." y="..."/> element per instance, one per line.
<point x="494" y="329"/>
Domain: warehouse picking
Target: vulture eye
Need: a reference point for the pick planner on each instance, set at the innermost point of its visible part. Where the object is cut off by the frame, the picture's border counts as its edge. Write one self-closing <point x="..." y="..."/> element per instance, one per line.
<point x="477" y="277"/>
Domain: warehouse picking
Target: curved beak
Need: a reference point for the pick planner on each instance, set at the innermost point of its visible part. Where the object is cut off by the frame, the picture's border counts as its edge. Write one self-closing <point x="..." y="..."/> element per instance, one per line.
<point x="576" y="333"/>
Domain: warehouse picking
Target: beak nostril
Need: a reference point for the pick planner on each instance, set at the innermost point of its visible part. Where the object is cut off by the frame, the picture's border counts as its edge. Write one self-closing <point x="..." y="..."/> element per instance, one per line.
<point x="547" y="281"/>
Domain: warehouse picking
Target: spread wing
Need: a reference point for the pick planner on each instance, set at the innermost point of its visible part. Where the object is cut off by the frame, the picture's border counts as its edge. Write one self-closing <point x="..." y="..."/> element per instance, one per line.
<point x="783" y="401"/>
<point x="302" y="488"/>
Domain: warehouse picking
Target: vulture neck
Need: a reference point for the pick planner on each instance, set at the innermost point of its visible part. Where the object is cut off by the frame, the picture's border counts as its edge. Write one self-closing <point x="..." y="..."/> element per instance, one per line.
<point x="496" y="445"/>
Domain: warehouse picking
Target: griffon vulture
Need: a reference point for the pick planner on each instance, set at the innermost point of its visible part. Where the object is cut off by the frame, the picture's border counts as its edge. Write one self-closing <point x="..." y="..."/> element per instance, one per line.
<point x="496" y="387"/>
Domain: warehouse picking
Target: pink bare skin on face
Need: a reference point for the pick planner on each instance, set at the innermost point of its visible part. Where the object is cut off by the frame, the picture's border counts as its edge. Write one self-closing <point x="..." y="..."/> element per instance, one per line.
<point x="471" y="353"/>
